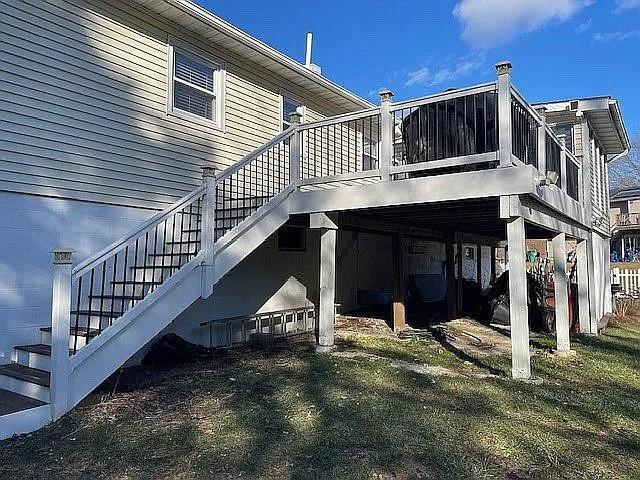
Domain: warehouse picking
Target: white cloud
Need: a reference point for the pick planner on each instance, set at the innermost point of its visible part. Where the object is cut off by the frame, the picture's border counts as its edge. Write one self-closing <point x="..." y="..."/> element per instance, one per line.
<point x="616" y="37"/>
<point x="426" y="78"/>
<point x="421" y="76"/>
<point x="487" y="23"/>
<point x="624" y="5"/>
<point x="583" y="27"/>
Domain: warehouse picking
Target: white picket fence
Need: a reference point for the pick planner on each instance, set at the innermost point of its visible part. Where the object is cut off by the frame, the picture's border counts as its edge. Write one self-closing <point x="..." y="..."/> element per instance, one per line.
<point x="627" y="278"/>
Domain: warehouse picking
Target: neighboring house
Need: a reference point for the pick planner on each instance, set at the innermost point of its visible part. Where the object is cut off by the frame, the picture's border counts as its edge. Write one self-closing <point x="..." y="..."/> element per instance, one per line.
<point x="192" y="179"/>
<point x="624" y="214"/>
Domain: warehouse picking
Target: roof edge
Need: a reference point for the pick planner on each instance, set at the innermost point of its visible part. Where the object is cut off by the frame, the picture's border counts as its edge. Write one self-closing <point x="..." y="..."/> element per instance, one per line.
<point x="234" y="32"/>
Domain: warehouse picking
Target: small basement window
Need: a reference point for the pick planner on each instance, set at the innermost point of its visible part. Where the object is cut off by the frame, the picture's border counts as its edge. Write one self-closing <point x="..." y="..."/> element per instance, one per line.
<point x="292" y="238"/>
<point x="195" y="85"/>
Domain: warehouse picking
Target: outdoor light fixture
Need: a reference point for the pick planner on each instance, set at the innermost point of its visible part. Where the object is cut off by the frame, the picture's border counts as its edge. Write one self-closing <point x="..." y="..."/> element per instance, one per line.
<point x="551" y="178"/>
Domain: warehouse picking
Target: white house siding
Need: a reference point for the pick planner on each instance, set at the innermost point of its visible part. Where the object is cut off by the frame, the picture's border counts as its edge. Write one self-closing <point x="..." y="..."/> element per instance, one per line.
<point x="32" y="227"/>
<point x="84" y="105"/>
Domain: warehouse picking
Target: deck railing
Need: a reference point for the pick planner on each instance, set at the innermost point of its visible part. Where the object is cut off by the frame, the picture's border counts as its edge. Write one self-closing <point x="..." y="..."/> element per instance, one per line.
<point x="455" y="124"/>
<point x="346" y="144"/>
<point x="627" y="219"/>
<point x="526" y="124"/>
<point x="554" y="150"/>
<point x="250" y="183"/>
<point x="457" y="130"/>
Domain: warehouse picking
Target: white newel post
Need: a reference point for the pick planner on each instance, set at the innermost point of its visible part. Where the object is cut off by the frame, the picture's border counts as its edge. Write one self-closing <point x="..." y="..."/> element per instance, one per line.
<point x="504" y="113"/>
<point x="60" y="329"/>
<point x="542" y="140"/>
<point x="386" y="135"/>
<point x="208" y="235"/>
<point x="563" y="162"/>
<point x="294" y="149"/>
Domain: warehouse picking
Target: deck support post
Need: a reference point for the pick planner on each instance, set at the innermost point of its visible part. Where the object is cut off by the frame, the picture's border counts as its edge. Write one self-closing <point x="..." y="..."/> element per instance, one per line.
<point x="583" y="287"/>
<point x="450" y="278"/>
<point x="559" y="246"/>
<point x="326" y="314"/>
<point x="493" y="264"/>
<point x="542" y="140"/>
<point x="208" y="236"/>
<point x="60" y="328"/>
<point x="459" y="283"/>
<point x="563" y="162"/>
<point x="399" y="312"/>
<point x="504" y="113"/>
<point x="386" y="135"/>
<point x="294" y="149"/>
<point x="479" y="266"/>
<point x="518" y="309"/>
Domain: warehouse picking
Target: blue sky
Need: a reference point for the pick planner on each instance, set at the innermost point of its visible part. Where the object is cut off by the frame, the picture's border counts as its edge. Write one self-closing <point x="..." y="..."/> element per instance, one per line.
<point x="559" y="48"/>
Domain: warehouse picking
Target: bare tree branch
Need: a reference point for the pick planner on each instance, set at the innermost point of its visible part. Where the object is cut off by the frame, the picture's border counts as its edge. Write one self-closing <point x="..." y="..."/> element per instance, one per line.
<point x="625" y="171"/>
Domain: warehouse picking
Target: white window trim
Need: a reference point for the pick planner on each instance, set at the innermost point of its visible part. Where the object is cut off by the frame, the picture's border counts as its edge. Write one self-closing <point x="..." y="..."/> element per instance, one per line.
<point x="220" y="77"/>
<point x="303" y="106"/>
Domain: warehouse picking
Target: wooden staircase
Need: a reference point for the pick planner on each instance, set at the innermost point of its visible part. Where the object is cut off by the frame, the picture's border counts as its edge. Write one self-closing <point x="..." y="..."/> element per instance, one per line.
<point x="25" y="383"/>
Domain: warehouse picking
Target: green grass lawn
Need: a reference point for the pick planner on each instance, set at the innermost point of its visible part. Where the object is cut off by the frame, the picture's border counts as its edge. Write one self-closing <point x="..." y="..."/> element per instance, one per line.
<point x="288" y="413"/>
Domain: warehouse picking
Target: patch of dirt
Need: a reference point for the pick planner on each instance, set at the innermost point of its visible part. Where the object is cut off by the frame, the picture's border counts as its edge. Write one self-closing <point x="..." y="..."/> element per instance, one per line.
<point x="473" y="337"/>
<point x="375" y="326"/>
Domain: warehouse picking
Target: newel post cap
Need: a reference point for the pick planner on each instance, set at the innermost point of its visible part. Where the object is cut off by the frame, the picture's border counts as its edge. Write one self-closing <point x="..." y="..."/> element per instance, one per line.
<point x="563" y="138"/>
<point x="295" y="118"/>
<point x="385" y="95"/>
<point x="63" y="256"/>
<point x="503" y="67"/>
<point x="208" y="172"/>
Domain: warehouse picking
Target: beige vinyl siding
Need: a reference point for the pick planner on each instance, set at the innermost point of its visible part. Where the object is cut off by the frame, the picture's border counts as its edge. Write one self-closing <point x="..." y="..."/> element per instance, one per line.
<point x="83" y="105"/>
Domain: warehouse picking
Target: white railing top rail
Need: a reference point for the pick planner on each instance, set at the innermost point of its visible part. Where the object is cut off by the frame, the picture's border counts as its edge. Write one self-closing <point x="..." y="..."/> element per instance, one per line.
<point x="573" y="158"/>
<point x="526" y="105"/>
<point x="437" y="97"/>
<point x="553" y="136"/>
<point x="231" y="169"/>
<point x="342" y="118"/>
<point x="91" y="262"/>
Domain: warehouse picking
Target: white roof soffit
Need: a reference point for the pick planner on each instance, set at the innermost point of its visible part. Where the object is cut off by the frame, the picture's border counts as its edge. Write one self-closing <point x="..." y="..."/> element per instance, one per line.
<point x="605" y="117"/>
<point x="208" y="26"/>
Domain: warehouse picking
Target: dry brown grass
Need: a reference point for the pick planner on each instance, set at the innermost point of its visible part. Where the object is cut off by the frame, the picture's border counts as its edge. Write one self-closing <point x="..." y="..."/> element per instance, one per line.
<point x="626" y="311"/>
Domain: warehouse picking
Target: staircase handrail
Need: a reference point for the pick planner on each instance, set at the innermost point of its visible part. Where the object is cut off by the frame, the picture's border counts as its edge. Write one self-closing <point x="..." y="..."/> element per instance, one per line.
<point x="107" y="252"/>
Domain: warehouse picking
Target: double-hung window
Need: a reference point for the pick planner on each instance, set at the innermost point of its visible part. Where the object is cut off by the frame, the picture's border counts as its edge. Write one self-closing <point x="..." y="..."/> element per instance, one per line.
<point x="195" y="86"/>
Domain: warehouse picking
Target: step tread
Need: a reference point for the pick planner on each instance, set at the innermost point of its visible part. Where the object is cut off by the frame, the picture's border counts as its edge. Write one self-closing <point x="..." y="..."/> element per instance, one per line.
<point x="81" y="331"/>
<point x="11" y="402"/>
<point x="119" y="297"/>
<point x="176" y="254"/>
<point x="183" y="242"/>
<point x="137" y="282"/>
<point x="28" y="374"/>
<point x="96" y="313"/>
<point x="38" y="348"/>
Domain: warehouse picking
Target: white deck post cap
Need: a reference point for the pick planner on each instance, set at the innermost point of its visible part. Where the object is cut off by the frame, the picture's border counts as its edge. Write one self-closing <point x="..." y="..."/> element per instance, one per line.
<point x="385" y="95"/>
<point x="63" y="255"/>
<point x="295" y="118"/>
<point x="503" y="67"/>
